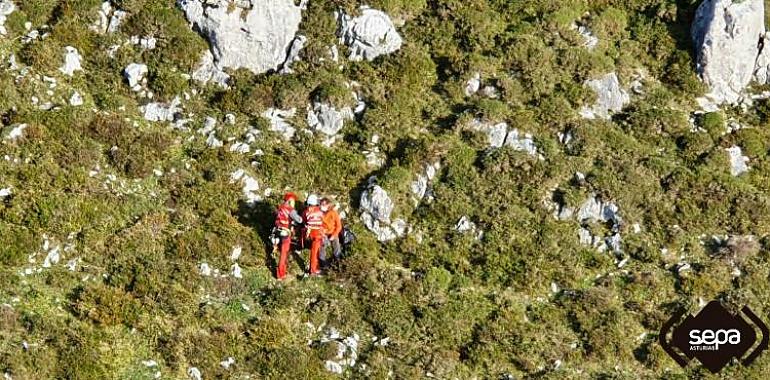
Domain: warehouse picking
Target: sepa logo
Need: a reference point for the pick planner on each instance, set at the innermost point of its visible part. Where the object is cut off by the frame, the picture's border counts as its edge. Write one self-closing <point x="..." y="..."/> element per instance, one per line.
<point x="714" y="336"/>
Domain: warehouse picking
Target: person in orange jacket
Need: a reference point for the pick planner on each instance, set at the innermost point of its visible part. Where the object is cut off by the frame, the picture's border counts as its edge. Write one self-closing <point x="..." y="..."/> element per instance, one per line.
<point x="314" y="231"/>
<point x="332" y="225"/>
<point x="285" y="215"/>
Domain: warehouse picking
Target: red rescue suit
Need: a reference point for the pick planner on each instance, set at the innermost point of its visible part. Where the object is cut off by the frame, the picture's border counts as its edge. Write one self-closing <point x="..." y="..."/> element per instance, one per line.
<point x="284" y="217"/>
<point x="314" y="232"/>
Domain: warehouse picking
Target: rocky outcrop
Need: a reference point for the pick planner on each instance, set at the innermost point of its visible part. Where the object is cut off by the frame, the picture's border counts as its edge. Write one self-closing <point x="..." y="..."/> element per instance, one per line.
<point x="208" y="71"/>
<point x="369" y="35"/>
<point x="726" y="35"/>
<point x="762" y="71"/>
<point x="595" y="210"/>
<point x="610" y="97"/>
<point x="327" y="120"/>
<point x="249" y="34"/>
<point x="376" y="209"/>
<point x="293" y="56"/>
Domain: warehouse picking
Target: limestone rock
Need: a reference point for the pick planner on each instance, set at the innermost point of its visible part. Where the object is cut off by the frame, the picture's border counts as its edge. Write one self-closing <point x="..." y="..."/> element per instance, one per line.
<point x="76" y="99"/>
<point x="208" y="71"/>
<point x="762" y="72"/>
<point x="499" y="135"/>
<point x="245" y="34"/>
<point x="738" y="162"/>
<point x="594" y="210"/>
<point x="162" y="112"/>
<point x="6" y="8"/>
<point x="465" y="225"/>
<point x="278" y="121"/>
<point x="71" y="61"/>
<point x="135" y="73"/>
<point x="296" y="46"/>
<point x="473" y="85"/>
<point x="725" y="34"/>
<point x="327" y="120"/>
<point x="590" y="41"/>
<point x="421" y="186"/>
<point x="14" y="132"/>
<point x="109" y="19"/>
<point x="611" y="97"/>
<point x="250" y="185"/>
<point x="376" y="209"/>
<point x="369" y="35"/>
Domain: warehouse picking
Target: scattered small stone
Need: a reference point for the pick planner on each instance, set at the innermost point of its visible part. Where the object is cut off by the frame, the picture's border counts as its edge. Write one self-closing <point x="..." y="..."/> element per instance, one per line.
<point x="135" y="74"/>
<point x="76" y="99"/>
<point x="250" y="186"/>
<point x="14" y="132"/>
<point x="473" y="85"/>
<point x="227" y="362"/>
<point x="738" y="162"/>
<point x="204" y="269"/>
<point x="194" y="373"/>
<point x="71" y="61"/>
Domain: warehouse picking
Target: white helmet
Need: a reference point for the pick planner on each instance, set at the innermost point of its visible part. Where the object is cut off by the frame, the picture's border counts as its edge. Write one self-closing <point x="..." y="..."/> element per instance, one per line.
<point x="312" y="200"/>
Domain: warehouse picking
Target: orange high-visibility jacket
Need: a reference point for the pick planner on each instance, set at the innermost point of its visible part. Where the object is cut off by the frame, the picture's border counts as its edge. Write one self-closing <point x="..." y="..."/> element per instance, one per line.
<point x="332" y="223"/>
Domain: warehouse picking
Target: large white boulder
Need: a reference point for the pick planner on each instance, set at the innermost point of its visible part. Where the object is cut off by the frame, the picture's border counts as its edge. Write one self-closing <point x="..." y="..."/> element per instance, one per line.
<point x="369" y="35"/>
<point x="726" y="35"/>
<point x="610" y="97"/>
<point x="249" y="34"/>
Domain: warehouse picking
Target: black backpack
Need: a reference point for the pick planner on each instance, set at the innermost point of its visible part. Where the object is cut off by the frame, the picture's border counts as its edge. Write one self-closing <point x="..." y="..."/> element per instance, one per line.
<point x="348" y="237"/>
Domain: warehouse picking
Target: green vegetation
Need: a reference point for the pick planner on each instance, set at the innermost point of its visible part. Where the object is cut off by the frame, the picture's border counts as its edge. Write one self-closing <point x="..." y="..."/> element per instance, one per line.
<point x="137" y="207"/>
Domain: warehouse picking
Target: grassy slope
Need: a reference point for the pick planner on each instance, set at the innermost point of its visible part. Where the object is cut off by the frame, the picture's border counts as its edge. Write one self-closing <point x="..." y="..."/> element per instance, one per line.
<point x="463" y="308"/>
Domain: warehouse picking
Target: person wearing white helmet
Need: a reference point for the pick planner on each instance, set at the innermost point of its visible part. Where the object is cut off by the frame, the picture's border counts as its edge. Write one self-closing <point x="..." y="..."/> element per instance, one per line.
<point x="313" y="217"/>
